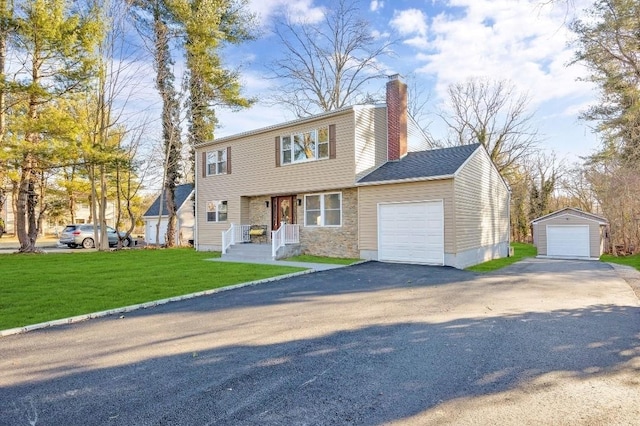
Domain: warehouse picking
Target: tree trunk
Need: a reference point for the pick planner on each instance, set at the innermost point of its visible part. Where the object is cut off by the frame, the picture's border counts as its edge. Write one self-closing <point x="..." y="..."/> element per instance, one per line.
<point x="104" y="240"/>
<point x="26" y="222"/>
<point x="4" y="14"/>
<point x="170" y="118"/>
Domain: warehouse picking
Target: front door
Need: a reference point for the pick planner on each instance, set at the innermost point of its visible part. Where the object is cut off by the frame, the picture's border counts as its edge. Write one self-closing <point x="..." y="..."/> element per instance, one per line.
<point x="283" y="210"/>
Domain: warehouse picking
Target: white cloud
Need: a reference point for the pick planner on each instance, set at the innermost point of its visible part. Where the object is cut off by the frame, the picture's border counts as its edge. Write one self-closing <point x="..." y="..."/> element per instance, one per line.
<point x="376" y="5"/>
<point x="296" y="10"/>
<point x="410" y="22"/>
<point x="501" y="39"/>
<point x="379" y="35"/>
<point x="417" y="42"/>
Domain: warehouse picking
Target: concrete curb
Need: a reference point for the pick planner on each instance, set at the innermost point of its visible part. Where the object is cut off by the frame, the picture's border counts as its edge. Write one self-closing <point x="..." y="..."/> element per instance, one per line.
<point x="84" y="317"/>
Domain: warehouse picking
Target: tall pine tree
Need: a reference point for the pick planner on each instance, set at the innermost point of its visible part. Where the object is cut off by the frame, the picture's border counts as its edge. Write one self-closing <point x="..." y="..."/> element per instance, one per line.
<point x="57" y="49"/>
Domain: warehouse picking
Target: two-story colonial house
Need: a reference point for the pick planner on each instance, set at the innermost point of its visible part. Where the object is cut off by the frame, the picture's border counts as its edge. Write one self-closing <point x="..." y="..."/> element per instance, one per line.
<point x="361" y="182"/>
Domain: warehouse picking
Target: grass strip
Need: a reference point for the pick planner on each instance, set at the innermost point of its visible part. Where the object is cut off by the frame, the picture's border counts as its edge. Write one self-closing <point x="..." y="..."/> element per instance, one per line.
<point x="520" y="251"/>
<point x="322" y="259"/>
<point x="633" y="260"/>
<point x="36" y="288"/>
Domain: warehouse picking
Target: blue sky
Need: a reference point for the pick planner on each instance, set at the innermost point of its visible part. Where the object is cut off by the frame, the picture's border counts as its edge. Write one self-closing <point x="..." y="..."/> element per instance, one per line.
<point x="448" y="41"/>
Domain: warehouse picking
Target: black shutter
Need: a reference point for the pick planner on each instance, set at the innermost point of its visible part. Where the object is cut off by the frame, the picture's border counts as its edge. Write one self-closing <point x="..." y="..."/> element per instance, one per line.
<point x="332" y="141"/>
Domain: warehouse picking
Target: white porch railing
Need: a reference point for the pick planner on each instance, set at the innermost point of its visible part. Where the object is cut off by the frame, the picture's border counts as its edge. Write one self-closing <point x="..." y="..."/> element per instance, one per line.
<point x="234" y="235"/>
<point x="286" y="234"/>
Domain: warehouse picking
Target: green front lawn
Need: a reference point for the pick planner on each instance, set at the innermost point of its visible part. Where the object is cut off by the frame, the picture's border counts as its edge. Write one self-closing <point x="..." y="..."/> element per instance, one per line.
<point x="38" y="288"/>
<point x="321" y="259"/>
<point x="520" y="251"/>
<point x="633" y="260"/>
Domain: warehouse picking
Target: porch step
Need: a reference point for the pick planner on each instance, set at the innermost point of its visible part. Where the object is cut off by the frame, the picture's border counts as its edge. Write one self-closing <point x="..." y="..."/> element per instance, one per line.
<point x="248" y="251"/>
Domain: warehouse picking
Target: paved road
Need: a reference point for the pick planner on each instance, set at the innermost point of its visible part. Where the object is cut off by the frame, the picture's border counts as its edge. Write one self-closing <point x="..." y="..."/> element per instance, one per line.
<point x="543" y="342"/>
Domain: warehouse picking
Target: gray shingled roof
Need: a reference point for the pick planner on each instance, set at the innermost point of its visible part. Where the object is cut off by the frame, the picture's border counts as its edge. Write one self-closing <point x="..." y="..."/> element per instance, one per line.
<point x="182" y="192"/>
<point x="423" y="164"/>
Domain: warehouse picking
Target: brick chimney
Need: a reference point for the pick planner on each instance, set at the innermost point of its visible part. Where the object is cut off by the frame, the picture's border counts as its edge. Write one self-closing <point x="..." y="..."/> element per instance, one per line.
<point x="396" y="118"/>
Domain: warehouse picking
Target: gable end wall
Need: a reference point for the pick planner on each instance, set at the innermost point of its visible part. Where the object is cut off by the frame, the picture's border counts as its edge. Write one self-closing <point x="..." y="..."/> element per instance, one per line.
<point x="481" y="211"/>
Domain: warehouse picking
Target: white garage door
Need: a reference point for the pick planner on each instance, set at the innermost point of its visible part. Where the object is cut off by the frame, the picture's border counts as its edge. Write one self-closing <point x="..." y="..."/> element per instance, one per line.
<point x="411" y="232"/>
<point x="570" y="241"/>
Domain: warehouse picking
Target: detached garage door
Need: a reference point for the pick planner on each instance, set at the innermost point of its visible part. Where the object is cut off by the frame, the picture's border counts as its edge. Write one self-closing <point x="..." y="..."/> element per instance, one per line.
<point x="411" y="232"/>
<point x="150" y="230"/>
<point x="572" y="241"/>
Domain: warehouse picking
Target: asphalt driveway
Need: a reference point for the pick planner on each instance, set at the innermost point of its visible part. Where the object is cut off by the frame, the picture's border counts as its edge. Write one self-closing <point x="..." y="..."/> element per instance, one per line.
<point x="541" y="342"/>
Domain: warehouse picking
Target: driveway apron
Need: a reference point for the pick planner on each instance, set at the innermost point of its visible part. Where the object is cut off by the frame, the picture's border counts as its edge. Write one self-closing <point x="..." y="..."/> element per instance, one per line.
<point x="542" y="342"/>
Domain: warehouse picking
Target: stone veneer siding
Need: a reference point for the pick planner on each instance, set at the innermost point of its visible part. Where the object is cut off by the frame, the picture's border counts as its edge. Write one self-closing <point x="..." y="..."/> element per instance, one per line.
<point x="259" y="214"/>
<point x="333" y="242"/>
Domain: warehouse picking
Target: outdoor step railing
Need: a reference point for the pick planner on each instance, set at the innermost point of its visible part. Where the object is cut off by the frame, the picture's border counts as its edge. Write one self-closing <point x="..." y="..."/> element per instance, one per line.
<point x="286" y="234"/>
<point x="234" y="235"/>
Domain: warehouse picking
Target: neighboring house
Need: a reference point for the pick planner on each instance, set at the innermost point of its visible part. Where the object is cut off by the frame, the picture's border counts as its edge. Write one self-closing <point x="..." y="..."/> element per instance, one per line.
<point x="570" y="233"/>
<point x="358" y="182"/>
<point x="185" y="218"/>
<point x="82" y="214"/>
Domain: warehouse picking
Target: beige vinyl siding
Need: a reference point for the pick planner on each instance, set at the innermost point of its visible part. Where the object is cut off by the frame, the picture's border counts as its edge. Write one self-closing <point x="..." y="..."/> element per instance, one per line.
<point x="573" y="212"/>
<point x="481" y="204"/>
<point x="370" y="139"/>
<point x="416" y="139"/>
<point x="381" y="136"/>
<point x="540" y="232"/>
<point x="254" y="172"/>
<point x="245" y="211"/>
<point x="370" y="196"/>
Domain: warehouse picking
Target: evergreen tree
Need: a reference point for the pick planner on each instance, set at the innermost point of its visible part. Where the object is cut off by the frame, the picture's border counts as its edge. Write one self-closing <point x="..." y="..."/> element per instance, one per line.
<point x="57" y="49"/>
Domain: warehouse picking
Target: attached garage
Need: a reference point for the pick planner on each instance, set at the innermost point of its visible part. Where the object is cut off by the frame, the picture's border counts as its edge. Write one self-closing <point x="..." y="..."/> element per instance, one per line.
<point x="411" y="232"/>
<point x="446" y="206"/>
<point x="570" y="233"/>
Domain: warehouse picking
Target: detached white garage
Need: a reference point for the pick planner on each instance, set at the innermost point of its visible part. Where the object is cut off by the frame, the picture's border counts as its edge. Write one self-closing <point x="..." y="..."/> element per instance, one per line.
<point x="185" y="218"/>
<point x="411" y="232"/>
<point x="570" y="233"/>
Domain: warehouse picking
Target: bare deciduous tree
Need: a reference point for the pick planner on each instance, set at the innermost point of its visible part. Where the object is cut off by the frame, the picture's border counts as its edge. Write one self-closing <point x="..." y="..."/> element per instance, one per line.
<point x="326" y="66"/>
<point x="545" y="172"/>
<point x="615" y="182"/>
<point x="493" y="114"/>
<point x="578" y="190"/>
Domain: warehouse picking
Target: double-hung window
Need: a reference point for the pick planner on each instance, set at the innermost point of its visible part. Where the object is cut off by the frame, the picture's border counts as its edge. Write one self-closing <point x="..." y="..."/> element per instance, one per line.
<point x="323" y="209"/>
<point x="306" y="146"/>
<point x="216" y="211"/>
<point x="217" y="162"/>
